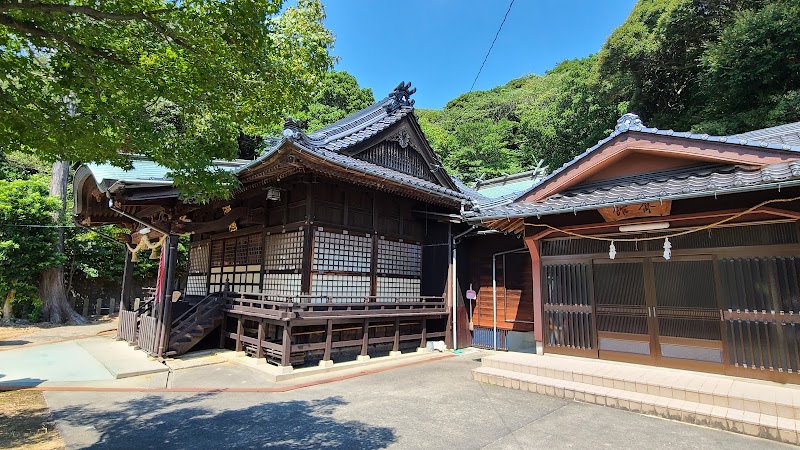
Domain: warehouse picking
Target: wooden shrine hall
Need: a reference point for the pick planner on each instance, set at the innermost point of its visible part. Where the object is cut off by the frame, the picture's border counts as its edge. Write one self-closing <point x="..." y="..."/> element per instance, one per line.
<point x="653" y="247"/>
<point x="335" y="241"/>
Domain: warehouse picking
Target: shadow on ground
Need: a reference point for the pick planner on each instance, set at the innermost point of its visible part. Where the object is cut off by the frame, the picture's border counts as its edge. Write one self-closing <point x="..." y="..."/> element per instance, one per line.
<point x="201" y="421"/>
<point x="13" y="343"/>
<point x="18" y="383"/>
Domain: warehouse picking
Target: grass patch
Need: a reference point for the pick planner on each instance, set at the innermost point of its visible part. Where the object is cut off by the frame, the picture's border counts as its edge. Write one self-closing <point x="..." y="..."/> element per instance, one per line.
<point x="26" y="422"/>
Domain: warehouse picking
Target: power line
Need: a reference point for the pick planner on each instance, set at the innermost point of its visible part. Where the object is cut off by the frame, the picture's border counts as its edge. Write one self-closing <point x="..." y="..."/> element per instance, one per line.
<point x="15" y="225"/>
<point x="491" y="46"/>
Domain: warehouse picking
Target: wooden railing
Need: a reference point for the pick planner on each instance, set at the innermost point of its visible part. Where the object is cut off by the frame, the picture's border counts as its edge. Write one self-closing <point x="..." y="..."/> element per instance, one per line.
<point x="325" y="306"/>
<point x="197" y="314"/>
<point x="147" y="339"/>
<point x="128" y="325"/>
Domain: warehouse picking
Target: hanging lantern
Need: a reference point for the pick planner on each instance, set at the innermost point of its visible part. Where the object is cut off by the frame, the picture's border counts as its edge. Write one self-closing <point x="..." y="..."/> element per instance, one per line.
<point x="667" y="249"/>
<point x="612" y="251"/>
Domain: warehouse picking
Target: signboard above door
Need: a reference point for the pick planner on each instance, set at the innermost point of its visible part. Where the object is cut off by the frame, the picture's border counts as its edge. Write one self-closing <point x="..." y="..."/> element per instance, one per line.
<point x="650" y="209"/>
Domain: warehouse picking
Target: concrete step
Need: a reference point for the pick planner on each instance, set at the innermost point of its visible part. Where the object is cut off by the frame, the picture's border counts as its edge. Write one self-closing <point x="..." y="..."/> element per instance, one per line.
<point x="724" y="418"/>
<point x="715" y="390"/>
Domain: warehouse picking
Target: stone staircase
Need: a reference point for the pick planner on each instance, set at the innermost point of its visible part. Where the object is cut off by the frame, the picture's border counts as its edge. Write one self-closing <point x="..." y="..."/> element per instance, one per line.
<point x="763" y="409"/>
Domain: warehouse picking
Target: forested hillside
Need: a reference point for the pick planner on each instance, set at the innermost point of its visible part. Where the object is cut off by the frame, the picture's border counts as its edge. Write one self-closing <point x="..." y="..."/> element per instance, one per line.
<point x="716" y="66"/>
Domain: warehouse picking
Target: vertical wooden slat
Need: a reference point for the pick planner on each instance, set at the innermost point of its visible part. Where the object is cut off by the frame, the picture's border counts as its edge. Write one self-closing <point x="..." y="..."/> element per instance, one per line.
<point x="396" y="344"/>
<point x="239" y="332"/>
<point x="424" y="339"/>
<point x="328" y="340"/>
<point x="260" y="346"/>
<point x="365" y="338"/>
<point x="286" y="352"/>
<point x="222" y="331"/>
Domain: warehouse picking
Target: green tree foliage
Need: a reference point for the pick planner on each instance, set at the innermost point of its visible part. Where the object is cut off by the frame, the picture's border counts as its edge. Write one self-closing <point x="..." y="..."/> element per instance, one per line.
<point x="716" y="66"/>
<point x="25" y="251"/>
<point x="94" y="254"/>
<point x="513" y="127"/>
<point x="337" y="96"/>
<point x="176" y="81"/>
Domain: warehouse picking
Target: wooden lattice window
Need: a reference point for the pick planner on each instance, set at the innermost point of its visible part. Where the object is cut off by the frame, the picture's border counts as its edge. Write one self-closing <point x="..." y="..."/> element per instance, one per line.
<point x="341" y="266"/>
<point x="399" y="258"/>
<point x="399" y="268"/>
<point x="197" y="281"/>
<point x="284" y="251"/>
<point x="239" y="265"/>
<point x="341" y="252"/>
<point x="283" y="261"/>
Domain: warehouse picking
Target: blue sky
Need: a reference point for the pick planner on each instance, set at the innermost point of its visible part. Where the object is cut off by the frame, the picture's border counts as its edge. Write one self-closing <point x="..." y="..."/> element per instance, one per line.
<point x="439" y="45"/>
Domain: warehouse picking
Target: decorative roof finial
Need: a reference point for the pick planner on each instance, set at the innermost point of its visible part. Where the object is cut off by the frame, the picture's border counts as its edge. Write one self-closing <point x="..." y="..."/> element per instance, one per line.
<point x="292" y="128"/>
<point x="629" y="121"/>
<point x="401" y="96"/>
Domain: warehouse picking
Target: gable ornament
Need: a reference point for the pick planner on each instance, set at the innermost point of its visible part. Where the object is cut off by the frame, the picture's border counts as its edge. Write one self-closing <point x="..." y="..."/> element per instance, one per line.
<point x="403" y="138"/>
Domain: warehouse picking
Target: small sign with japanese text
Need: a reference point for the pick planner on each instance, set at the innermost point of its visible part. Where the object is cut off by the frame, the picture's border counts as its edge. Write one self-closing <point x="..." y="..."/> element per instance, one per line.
<point x="650" y="209"/>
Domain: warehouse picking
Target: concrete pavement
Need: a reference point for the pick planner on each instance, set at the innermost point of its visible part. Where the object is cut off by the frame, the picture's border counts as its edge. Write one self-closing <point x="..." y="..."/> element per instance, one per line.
<point x="433" y="404"/>
<point x="84" y="362"/>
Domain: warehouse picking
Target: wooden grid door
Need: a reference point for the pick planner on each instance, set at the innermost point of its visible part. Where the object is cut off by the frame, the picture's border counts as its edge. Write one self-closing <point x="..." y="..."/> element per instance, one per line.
<point x="687" y="311"/>
<point x="568" y="309"/>
<point x="624" y="320"/>
<point x="761" y="312"/>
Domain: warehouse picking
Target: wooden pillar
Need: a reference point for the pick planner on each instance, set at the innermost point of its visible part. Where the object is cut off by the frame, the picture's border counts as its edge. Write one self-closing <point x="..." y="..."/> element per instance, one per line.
<point x="239" y="332"/>
<point x="396" y="344"/>
<point x="536" y="277"/>
<point x="308" y="258"/>
<point x="223" y="331"/>
<point x="328" y="341"/>
<point x="448" y="295"/>
<point x="424" y="341"/>
<point x="287" y="345"/>
<point x="365" y="339"/>
<point x="171" y="261"/>
<point x="373" y="267"/>
<point x="127" y="282"/>
<point x="260" y="347"/>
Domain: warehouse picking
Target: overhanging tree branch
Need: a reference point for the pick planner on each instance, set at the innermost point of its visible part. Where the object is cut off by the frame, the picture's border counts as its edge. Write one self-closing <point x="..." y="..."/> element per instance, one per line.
<point x="32" y="30"/>
<point x="146" y="16"/>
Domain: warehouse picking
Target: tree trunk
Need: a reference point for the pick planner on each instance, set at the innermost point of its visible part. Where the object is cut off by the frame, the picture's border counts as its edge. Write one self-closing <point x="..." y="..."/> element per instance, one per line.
<point x="55" y="306"/>
<point x="7" y="305"/>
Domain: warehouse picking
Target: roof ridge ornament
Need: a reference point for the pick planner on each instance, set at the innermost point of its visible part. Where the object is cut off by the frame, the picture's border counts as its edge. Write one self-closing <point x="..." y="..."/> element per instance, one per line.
<point x="629" y="121"/>
<point x="401" y="96"/>
<point x="293" y="128"/>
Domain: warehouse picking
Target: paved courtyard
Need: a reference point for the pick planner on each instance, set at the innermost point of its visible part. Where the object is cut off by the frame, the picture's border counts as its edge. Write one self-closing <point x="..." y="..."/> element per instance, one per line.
<point x="429" y="405"/>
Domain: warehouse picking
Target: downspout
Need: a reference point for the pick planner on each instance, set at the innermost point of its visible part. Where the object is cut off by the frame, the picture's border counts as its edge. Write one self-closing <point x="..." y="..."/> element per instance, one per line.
<point x="454" y="281"/>
<point x="494" y="304"/>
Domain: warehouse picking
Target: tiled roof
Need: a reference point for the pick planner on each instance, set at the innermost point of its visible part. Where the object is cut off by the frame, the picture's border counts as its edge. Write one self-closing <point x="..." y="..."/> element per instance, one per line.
<point x="357" y="127"/>
<point x="143" y="172"/>
<point x="788" y="134"/>
<point x="699" y="182"/>
<point x="631" y="123"/>
<point x="368" y="168"/>
<point x="328" y="142"/>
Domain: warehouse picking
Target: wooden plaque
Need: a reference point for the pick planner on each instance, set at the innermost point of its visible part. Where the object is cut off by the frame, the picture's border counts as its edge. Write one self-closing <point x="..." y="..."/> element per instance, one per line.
<point x="650" y="209"/>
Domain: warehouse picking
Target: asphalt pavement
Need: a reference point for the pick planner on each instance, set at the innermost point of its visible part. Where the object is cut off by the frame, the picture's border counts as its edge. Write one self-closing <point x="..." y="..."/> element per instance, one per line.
<point x="429" y="405"/>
